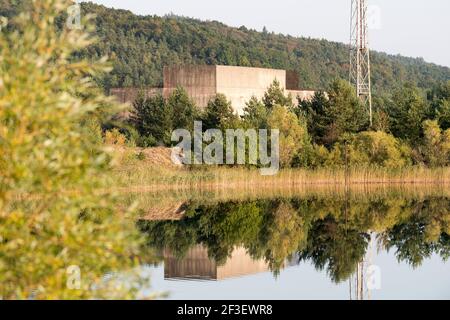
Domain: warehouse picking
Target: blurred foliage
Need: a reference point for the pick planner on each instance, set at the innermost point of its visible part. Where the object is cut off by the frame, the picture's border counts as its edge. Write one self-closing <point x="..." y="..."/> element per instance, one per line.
<point x="52" y="167"/>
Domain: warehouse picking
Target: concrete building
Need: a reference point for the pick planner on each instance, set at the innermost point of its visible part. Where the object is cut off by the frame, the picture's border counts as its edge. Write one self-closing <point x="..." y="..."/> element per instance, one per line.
<point x="238" y="84"/>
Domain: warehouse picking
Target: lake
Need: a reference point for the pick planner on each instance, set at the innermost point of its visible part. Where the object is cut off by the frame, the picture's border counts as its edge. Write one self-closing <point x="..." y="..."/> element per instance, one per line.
<point x="316" y="242"/>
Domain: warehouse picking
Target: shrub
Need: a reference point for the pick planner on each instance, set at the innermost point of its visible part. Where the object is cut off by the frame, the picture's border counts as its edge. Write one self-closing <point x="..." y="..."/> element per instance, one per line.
<point x="436" y="144"/>
<point x="292" y="134"/>
<point x="371" y="148"/>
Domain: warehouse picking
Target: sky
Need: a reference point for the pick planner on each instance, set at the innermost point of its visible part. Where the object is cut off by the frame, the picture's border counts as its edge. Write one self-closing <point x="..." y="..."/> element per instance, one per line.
<point x="415" y="28"/>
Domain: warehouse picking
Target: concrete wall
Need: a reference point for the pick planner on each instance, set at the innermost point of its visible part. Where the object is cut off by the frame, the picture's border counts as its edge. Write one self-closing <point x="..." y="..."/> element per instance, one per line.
<point x="302" y="94"/>
<point x="198" y="81"/>
<point x="128" y="95"/>
<point x="239" y="84"/>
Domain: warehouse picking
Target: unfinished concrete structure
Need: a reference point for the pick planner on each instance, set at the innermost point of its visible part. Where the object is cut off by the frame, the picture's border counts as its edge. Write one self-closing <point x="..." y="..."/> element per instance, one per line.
<point x="238" y="84"/>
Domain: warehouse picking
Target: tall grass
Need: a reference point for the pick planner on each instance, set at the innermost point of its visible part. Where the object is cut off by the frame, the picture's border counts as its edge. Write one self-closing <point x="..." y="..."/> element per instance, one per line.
<point x="141" y="175"/>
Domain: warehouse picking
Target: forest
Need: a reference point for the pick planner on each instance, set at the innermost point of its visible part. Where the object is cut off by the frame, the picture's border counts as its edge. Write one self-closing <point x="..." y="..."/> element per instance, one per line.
<point x="139" y="47"/>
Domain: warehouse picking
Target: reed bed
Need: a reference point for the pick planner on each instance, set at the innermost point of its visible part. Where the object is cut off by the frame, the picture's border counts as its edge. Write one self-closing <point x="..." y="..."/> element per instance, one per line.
<point x="160" y="178"/>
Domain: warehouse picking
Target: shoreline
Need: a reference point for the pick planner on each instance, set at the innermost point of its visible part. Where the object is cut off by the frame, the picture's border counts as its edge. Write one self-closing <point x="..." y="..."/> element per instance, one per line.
<point x="138" y="176"/>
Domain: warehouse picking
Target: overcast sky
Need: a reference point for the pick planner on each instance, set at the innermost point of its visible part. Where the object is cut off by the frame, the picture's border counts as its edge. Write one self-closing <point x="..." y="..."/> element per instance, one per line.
<point x="417" y="28"/>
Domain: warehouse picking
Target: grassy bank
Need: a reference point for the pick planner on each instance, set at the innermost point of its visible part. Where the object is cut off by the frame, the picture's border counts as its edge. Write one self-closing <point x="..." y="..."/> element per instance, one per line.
<point x="140" y="174"/>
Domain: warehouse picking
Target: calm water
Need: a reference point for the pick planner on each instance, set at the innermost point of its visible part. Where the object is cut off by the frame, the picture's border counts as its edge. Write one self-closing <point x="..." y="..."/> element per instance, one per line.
<point x="388" y="245"/>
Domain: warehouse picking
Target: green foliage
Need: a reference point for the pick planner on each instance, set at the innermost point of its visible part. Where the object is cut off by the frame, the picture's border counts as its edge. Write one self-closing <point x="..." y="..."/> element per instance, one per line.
<point x="93" y="130"/>
<point x="345" y="111"/>
<point x="315" y="112"/>
<point x="407" y="111"/>
<point x="293" y="135"/>
<point x="330" y="118"/>
<point x="255" y="114"/>
<point x="275" y="96"/>
<point x="152" y="119"/>
<point x="219" y="113"/>
<point x="51" y="167"/>
<point x="183" y="110"/>
<point x="439" y="98"/>
<point x="372" y="149"/>
<point x="436" y="144"/>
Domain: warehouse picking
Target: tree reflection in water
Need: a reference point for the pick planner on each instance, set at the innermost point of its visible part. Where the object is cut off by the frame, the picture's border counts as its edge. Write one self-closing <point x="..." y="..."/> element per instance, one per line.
<point x="333" y="233"/>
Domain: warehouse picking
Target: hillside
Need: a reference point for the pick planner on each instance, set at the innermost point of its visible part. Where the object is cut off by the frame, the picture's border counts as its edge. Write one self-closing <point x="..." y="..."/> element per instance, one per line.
<point x="141" y="45"/>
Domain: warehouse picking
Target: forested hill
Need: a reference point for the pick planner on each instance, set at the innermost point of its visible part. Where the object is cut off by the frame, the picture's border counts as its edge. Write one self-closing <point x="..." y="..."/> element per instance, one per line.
<point x="141" y="45"/>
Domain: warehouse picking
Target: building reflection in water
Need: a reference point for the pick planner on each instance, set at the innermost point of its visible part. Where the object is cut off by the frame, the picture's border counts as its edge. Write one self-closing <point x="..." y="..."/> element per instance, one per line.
<point x="196" y="265"/>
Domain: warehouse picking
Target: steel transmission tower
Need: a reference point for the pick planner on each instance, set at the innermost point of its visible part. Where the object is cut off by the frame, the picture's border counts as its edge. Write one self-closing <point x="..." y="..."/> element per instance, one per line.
<point x="360" y="54"/>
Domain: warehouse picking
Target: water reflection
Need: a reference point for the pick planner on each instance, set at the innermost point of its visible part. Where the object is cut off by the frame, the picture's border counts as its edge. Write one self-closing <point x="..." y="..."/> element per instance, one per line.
<point x="197" y="265"/>
<point x="216" y="241"/>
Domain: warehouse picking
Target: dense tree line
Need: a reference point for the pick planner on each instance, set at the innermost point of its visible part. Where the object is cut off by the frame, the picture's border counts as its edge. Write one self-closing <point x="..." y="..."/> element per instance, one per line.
<point x="329" y="130"/>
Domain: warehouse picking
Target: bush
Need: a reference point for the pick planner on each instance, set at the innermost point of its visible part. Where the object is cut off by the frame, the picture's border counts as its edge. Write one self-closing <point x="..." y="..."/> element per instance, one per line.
<point x="371" y="148"/>
<point x="436" y="144"/>
<point x="293" y="135"/>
